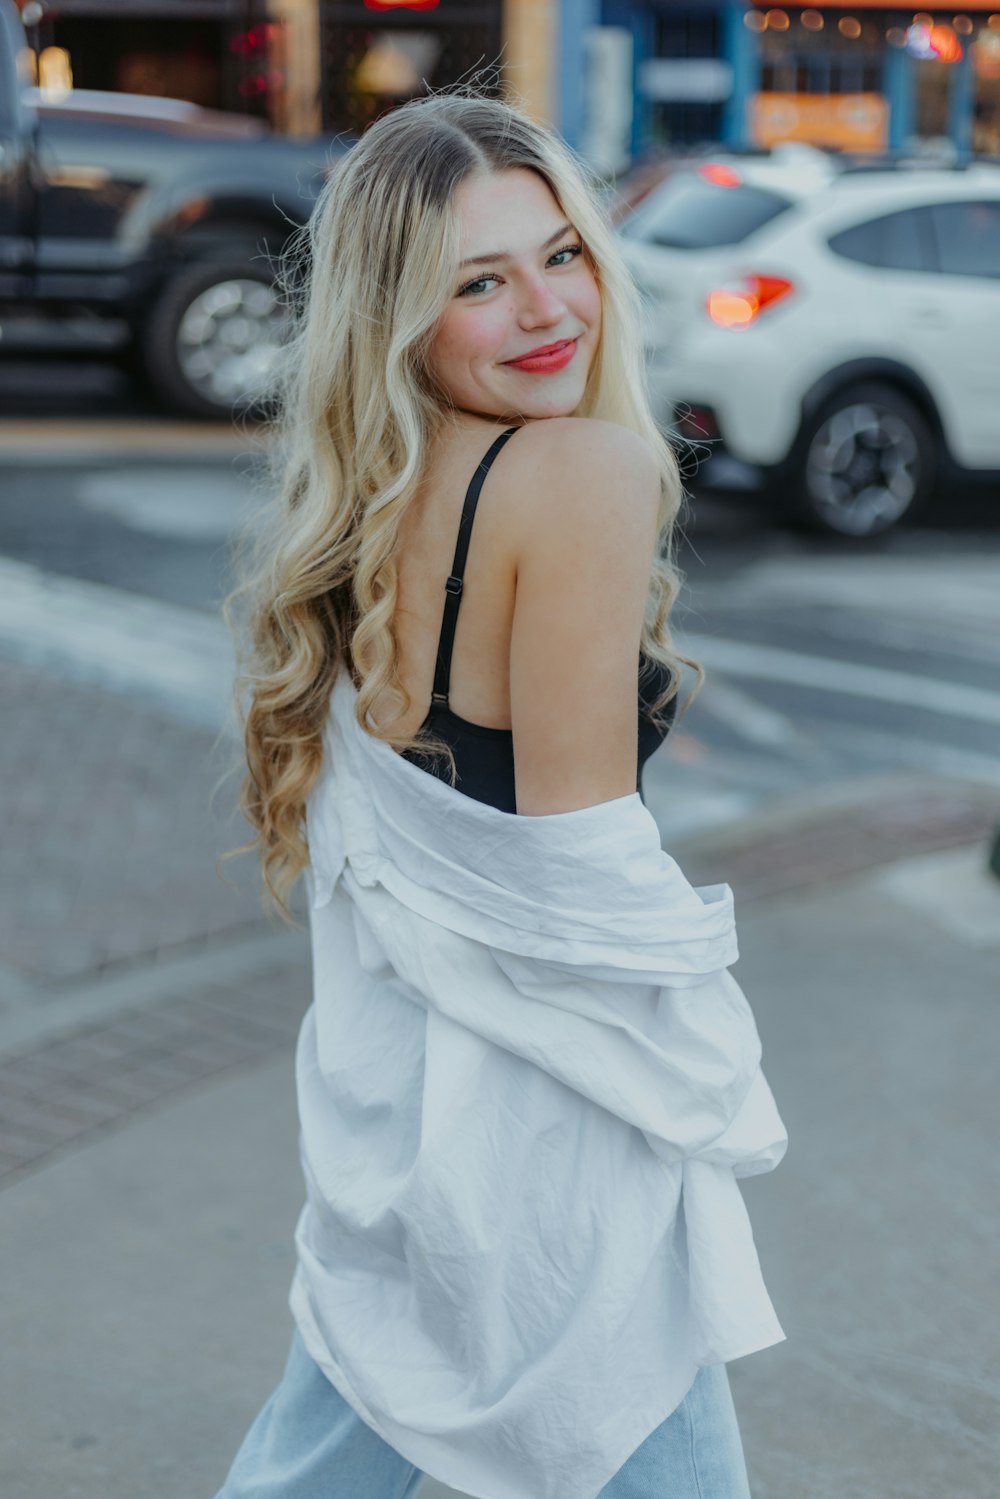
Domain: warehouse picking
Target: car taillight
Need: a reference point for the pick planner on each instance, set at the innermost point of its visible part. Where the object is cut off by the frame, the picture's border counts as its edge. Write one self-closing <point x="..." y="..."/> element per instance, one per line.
<point x="742" y="303"/>
<point x="720" y="175"/>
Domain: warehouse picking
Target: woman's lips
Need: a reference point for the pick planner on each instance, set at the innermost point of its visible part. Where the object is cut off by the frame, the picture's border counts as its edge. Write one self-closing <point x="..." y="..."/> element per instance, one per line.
<point x="557" y="357"/>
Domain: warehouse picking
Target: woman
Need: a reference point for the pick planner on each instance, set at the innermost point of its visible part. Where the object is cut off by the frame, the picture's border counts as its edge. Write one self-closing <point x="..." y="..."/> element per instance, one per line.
<point x="527" y="1082"/>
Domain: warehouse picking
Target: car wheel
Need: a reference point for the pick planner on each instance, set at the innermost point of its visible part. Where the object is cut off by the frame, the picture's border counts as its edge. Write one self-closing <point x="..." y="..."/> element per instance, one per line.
<point x="864" y="461"/>
<point x="212" y="341"/>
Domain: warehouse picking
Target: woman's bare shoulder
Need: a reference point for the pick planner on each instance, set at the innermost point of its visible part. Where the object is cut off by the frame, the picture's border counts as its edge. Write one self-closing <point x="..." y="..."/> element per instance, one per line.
<point x="584" y="470"/>
<point x="586" y="521"/>
<point x="577" y="442"/>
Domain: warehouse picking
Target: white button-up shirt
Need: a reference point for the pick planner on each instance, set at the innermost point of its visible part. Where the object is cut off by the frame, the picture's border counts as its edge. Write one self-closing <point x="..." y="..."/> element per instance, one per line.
<point x="527" y="1085"/>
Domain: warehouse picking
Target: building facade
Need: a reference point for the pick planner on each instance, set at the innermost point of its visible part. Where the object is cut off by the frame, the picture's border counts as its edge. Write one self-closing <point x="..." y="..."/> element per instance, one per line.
<point x="306" y="65"/>
<point x="860" y="77"/>
<point x="217" y="53"/>
<point x="619" y="78"/>
<point x="376" y="53"/>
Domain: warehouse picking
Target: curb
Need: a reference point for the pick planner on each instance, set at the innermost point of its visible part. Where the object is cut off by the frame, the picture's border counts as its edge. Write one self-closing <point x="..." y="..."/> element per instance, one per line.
<point x="45" y="442"/>
<point x="830" y="833"/>
<point x="140" y="1039"/>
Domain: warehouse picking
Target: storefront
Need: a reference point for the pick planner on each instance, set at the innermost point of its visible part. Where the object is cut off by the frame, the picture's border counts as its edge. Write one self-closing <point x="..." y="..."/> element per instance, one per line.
<point x="304" y="65"/>
<point x="856" y="77"/>
<point x="377" y="53"/>
<point x="872" y="79"/>
<point x="217" y="53"/>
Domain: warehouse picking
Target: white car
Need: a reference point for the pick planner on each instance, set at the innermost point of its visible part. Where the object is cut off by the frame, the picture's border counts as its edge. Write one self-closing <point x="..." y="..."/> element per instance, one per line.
<point x="827" y="335"/>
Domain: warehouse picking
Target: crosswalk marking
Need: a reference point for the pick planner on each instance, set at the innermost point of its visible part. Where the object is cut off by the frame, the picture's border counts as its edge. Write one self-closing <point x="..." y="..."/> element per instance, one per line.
<point x="958" y="589"/>
<point x="768" y="663"/>
<point x="184" y="658"/>
<point x="174" y="656"/>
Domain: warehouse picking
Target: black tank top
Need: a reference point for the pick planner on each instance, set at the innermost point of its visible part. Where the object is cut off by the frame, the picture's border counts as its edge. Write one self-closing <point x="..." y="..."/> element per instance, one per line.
<point x="484" y="756"/>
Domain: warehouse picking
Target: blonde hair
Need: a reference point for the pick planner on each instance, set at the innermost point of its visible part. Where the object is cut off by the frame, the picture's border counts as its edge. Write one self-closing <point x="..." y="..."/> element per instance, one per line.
<point x="368" y="280"/>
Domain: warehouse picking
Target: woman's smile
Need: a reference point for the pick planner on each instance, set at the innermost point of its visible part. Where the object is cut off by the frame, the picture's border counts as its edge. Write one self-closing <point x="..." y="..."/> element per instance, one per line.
<point x="545" y="360"/>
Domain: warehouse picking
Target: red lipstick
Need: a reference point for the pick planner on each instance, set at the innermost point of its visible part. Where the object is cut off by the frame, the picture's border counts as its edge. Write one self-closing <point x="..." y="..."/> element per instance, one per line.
<point x="546" y="359"/>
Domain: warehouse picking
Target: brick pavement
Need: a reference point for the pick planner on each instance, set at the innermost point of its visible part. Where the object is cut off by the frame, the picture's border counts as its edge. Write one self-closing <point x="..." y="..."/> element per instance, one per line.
<point x="783" y="849"/>
<point x="113" y="818"/>
<point x="62" y="1092"/>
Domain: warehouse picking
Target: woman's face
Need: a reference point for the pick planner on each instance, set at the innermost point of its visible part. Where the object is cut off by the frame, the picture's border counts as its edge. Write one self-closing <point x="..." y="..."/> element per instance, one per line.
<point x="530" y="287"/>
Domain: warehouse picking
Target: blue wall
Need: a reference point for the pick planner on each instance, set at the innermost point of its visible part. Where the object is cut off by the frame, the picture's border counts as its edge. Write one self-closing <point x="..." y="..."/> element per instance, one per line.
<point x="899" y="81"/>
<point x="741" y="51"/>
<point x="575" y="16"/>
<point x="636" y="17"/>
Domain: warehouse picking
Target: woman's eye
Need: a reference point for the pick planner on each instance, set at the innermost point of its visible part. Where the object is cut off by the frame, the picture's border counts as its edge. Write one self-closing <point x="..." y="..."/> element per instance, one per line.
<point x="474" y="286"/>
<point x="571" y="250"/>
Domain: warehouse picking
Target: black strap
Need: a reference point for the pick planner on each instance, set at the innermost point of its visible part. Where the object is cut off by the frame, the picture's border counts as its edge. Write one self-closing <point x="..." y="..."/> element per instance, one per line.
<point x="453" y="584"/>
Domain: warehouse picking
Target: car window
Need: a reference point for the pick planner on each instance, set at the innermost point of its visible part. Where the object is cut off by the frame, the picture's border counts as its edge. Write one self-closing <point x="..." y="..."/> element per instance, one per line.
<point x="690" y="214"/>
<point x="967" y="237"/>
<point x="893" y="241"/>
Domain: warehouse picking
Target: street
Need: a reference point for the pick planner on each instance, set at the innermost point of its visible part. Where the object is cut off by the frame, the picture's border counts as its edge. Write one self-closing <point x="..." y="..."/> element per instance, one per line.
<point x="784" y="225"/>
<point x="839" y="769"/>
<point x="827" y="661"/>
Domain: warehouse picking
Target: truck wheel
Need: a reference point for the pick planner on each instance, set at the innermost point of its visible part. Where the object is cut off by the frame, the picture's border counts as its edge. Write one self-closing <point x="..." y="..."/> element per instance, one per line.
<point x="212" y="340"/>
<point x="863" y="461"/>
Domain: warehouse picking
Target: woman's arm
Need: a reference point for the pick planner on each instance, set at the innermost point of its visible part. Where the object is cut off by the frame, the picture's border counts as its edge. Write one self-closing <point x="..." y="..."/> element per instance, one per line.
<point x="585" y="530"/>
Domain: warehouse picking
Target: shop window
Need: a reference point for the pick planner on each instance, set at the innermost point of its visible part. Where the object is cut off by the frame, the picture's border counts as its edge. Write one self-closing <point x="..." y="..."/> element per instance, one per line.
<point x="692" y="33"/>
<point x="985" y="53"/>
<point x="821" y="81"/>
<point x="686" y="36"/>
<point x="796" y="61"/>
<point x="185" y="59"/>
<point x="373" y="67"/>
<point x="934" y="82"/>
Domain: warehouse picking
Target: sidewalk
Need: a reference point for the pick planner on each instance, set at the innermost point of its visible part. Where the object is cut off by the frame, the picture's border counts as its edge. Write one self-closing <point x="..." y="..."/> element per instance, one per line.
<point x="60" y="439"/>
<point x="150" y="1175"/>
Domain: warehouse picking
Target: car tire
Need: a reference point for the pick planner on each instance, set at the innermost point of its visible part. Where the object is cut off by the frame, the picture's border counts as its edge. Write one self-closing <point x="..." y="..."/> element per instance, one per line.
<point x="864" y="461"/>
<point x="211" y="342"/>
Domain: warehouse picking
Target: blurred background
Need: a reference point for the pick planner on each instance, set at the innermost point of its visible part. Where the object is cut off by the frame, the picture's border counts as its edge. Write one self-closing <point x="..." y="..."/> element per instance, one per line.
<point x="809" y="200"/>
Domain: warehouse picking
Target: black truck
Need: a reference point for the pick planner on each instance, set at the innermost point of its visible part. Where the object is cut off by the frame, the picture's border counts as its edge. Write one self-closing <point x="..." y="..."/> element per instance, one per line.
<point x="146" y="228"/>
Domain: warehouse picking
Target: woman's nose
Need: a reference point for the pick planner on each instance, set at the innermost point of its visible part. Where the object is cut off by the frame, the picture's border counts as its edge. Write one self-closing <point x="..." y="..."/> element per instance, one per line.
<point x="539" y="305"/>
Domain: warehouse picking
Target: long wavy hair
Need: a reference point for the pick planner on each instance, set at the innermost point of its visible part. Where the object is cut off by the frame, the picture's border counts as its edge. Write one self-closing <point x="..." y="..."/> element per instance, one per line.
<point x="355" y="410"/>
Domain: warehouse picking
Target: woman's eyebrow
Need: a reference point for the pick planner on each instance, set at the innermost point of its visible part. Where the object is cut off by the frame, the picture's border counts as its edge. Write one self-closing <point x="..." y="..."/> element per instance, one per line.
<point x="504" y="254"/>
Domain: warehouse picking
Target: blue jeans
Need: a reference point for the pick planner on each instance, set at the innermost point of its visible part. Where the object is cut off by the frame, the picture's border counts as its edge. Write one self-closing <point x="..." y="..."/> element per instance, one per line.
<point x="308" y="1443"/>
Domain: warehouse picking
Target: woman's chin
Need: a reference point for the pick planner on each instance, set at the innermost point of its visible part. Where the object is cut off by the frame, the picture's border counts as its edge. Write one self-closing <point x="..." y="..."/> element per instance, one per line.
<point x="554" y="400"/>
